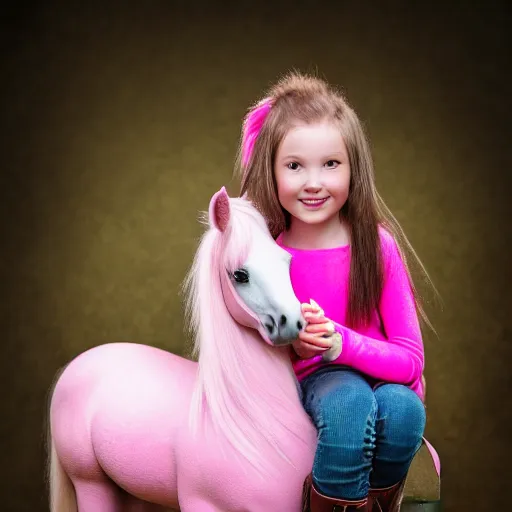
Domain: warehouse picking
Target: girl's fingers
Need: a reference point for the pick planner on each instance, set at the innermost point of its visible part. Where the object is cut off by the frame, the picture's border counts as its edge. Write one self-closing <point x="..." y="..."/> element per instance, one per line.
<point x="310" y="308"/>
<point x="314" y="304"/>
<point x="312" y="314"/>
<point x="307" y="309"/>
<point x="315" y="339"/>
<point x="306" y="347"/>
<point x="316" y="319"/>
<point x="324" y="328"/>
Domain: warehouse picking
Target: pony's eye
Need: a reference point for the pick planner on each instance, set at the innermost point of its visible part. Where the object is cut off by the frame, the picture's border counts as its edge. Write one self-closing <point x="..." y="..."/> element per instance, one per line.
<point x="241" y="275"/>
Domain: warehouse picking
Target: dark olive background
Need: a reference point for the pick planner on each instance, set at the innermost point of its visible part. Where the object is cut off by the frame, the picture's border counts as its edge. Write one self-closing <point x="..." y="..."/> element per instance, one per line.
<point x="121" y="119"/>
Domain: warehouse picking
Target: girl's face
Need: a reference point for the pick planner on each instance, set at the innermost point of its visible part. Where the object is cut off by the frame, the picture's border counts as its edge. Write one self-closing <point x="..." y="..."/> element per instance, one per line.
<point x="313" y="173"/>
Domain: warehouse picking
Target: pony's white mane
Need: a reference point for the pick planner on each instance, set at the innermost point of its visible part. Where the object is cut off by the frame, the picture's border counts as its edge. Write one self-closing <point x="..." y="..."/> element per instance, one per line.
<point x="245" y="388"/>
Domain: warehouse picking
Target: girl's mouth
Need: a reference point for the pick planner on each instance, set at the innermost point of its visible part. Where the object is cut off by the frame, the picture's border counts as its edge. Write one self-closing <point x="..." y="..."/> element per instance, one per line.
<point x="313" y="203"/>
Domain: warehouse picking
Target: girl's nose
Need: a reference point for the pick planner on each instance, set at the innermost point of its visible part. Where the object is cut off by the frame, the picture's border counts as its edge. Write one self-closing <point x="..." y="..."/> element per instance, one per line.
<point x="312" y="188"/>
<point x="313" y="181"/>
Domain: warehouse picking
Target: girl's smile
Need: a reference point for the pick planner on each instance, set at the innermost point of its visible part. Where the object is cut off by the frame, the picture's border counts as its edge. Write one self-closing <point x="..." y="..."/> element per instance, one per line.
<point x="313" y="204"/>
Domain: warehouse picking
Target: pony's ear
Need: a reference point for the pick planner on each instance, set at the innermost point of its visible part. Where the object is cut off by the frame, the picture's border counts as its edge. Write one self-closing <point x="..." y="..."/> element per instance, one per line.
<point x="219" y="209"/>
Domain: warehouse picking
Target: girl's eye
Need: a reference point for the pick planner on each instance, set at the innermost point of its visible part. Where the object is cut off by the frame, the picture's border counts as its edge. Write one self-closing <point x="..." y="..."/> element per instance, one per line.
<point x="293" y="166"/>
<point x="332" y="163"/>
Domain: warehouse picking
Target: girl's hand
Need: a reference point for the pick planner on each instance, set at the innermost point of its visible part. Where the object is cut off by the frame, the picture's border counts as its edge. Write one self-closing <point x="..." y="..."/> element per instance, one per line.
<point x="319" y="335"/>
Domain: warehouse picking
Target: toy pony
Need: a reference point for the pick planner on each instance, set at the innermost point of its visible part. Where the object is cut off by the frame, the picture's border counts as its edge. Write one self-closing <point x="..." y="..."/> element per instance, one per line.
<point x="138" y="429"/>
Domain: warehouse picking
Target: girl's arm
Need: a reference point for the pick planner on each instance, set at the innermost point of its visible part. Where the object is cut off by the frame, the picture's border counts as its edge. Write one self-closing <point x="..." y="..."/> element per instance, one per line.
<point x="400" y="358"/>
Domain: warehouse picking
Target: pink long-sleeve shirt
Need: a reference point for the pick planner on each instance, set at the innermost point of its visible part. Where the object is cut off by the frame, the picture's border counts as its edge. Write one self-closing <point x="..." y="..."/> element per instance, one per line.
<point x="390" y="348"/>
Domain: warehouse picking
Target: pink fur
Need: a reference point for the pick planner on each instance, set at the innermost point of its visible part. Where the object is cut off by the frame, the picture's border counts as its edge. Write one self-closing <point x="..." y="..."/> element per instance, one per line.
<point x="252" y="127"/>
<point x="226" y="433"/>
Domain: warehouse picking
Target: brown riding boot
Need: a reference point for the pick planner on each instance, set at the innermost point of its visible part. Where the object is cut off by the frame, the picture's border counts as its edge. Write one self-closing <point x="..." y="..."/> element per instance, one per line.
<point x="313" y="501"/>
<point x="387" y="499"/>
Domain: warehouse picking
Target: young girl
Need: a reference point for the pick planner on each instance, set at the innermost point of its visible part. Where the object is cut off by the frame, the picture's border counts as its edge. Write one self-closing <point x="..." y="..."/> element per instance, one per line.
<point x="305" y="163"/>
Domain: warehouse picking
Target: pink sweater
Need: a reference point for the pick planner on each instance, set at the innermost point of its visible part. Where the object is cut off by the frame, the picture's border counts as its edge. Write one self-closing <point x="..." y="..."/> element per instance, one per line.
<point x="390" y="349"/>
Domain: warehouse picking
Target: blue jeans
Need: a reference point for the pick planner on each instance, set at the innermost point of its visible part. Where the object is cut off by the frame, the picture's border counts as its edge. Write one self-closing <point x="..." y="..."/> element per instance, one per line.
<point x="366" y="437"/>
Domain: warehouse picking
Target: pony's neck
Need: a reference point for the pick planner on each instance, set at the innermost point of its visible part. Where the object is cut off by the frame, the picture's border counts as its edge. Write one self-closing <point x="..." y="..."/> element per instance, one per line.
<point x="268" y="369"/>
<point x="251" y="396"/>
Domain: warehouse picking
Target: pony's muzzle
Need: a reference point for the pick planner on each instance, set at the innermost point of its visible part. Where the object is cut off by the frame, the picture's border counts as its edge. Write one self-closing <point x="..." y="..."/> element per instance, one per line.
<point x="285" y="330"/>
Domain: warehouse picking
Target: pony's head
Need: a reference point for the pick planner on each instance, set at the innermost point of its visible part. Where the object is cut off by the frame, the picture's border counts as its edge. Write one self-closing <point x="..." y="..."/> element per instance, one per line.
<point x="240" y="293"/>
<point x="254" y="271"/>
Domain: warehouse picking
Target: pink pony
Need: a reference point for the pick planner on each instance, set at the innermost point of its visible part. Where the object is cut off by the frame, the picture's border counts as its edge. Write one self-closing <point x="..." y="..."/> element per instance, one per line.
<point x="138" y="429"/>
<point x="135" y="428"/>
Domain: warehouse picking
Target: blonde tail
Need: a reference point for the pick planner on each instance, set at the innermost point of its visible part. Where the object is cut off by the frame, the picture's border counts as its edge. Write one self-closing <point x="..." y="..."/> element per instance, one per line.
<point x="62" y="492"/>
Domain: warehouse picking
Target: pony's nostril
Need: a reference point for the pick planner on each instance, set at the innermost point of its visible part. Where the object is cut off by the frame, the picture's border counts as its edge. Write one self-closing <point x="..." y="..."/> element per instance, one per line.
<point x="299" y="325"/>
<point x="282" y="320"/>
<point x="270" y="328"/>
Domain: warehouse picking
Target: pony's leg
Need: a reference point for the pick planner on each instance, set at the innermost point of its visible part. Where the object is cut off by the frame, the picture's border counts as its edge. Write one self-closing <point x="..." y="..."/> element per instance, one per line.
<point x="99" y="496"/>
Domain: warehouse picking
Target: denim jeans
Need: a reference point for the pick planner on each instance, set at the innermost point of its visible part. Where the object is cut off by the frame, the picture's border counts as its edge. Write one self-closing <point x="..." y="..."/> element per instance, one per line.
<point x="367" y="434"/>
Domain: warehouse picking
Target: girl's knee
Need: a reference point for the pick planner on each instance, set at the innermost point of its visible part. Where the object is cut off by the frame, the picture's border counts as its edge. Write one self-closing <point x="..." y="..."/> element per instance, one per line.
<point x="351" y="396"/>
<point x="400" y="406"/>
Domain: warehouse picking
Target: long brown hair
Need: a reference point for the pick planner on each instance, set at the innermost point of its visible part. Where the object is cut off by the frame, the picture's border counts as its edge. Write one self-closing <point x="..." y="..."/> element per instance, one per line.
<point x="297" y="98"/>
